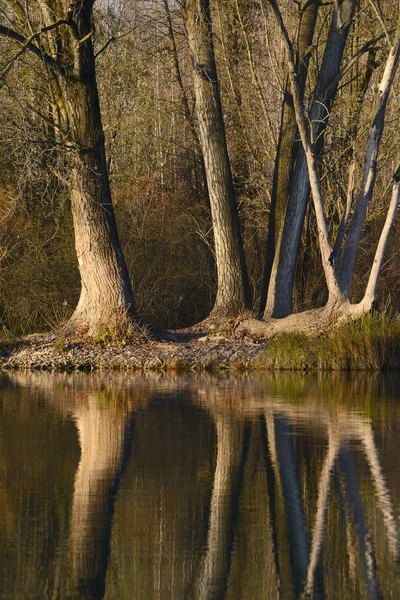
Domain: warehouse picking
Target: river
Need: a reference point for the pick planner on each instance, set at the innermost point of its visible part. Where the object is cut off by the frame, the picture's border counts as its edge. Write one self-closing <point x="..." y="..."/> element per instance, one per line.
<point x="204" y="486"/>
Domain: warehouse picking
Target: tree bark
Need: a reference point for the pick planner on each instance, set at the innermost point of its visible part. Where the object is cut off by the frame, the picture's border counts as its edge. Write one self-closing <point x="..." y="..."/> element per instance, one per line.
<point x="185" y="102"/>
<point x="287" y="144"/>
<point x="279" y="302"/>
<point x="233" y="293"/>
<point x="106" y="298"/>
<point x="370" y="292"/>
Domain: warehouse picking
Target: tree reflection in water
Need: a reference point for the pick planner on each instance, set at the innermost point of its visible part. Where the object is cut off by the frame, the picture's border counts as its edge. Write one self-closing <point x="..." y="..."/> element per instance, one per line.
<point x="202" y="487"/>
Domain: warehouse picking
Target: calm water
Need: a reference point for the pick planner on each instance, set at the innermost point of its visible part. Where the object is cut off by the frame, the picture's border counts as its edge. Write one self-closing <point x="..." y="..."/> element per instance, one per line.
<point x="242" y="487"/>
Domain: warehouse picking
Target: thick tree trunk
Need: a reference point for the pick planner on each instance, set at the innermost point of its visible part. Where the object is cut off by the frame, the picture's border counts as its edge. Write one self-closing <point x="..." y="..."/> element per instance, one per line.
<point x="106" y="299"/>
<point x="233" y="294"/>
<point x="106" y="296"/>
<point x="310" y="322"/>
<point x="279" y="302"/>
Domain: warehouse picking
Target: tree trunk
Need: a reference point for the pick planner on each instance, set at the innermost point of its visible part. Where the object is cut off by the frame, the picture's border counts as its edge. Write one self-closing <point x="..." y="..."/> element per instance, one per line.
<point x="233" y="294"/>
<point x="370" y="168"/>
<point x="287" y="146"/>
<point x="66" y="48"/>
<point x="310" y="322"/>
<point x="185" y="102"/>
<point x="106" y="298"/>
<point x="279" y="302"/>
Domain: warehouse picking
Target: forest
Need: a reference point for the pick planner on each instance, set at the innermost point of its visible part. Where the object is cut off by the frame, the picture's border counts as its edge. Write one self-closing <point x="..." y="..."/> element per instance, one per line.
<point x="172" y="162"/>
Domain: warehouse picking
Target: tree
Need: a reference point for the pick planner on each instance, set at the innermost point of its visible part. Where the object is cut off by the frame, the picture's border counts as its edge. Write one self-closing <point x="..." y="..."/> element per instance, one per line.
<point x="168" y="124"/>
<point x="62" y="42"/>
<point x="287" y="151"/>
<point x="233" y="295"/>
<point x="339" y="274"/>
<point x="296" y="186"/>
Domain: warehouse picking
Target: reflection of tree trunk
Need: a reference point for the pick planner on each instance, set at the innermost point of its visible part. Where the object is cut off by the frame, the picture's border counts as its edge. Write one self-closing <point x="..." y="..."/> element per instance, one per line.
<point x="382" y="492"/>
<point x="357" y="517"/>
<point x="322" y="505"/>
<point x="230" y="462"/>
<point x="294" y="510"/>
<point x="348" y="523"/>
<point x="104" y="440"/>
<point x="268" y="439"/>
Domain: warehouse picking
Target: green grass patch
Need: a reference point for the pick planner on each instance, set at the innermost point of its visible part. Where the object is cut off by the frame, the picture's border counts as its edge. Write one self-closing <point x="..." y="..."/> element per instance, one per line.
<point x="60" y="345"/>
<point x="370" y="344"/>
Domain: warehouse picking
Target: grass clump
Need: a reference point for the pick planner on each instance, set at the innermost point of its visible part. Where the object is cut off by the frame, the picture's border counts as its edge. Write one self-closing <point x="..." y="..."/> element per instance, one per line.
<point x="290" y="351"/>
<point x="106" y="336"/>
<point x="371" y="343"/>
<point x="60" y="345"/>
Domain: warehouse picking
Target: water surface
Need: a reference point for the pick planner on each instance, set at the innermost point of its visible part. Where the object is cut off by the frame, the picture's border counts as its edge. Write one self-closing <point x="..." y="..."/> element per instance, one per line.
<point x="260" y="487"/>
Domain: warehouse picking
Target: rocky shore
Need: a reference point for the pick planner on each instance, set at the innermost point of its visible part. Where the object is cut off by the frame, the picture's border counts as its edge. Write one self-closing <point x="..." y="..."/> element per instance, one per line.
<point x="189" y="353"/>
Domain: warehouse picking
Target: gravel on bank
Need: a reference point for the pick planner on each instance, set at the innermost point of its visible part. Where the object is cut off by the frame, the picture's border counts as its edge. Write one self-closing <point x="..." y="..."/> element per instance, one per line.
<point x="206" y="353"/>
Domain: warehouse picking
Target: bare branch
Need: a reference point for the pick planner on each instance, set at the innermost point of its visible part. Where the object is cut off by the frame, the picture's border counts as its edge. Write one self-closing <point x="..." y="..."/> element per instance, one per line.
<point x="365" y="48"/>
<point x="113" y="39"/>
<point x="383" y="240"/>
<point x="27" y="44"/>
<point x="370" y="167"/>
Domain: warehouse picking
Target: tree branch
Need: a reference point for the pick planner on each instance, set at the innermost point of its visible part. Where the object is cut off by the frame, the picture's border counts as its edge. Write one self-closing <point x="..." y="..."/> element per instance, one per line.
<point x="27" y="44"/>
<point x="369" y="296"/>
<point x="112" y="39"/>
<point x="365" y="48"/>
<point x="370" y="167"/>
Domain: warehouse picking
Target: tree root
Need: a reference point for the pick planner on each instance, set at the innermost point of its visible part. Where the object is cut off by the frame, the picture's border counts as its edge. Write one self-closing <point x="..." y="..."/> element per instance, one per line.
<point x="311" y="322"/>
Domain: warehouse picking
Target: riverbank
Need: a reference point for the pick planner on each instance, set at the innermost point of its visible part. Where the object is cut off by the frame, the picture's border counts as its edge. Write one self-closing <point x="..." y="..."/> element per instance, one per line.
<point x="370" y="344"/>
<point x="198" y="353"/>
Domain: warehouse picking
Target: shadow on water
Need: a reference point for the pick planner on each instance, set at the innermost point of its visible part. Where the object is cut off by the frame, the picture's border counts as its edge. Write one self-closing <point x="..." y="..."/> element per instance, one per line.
<point x="204" y="487"/>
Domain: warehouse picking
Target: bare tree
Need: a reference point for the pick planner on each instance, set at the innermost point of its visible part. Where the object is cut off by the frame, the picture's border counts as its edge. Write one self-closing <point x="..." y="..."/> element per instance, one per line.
<point x="233" y="295"/>
<point x="338" y="307"/>
<point x="59" y="34"/>
<point x="287" y="147"/>
<point x="279" y="302"/>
